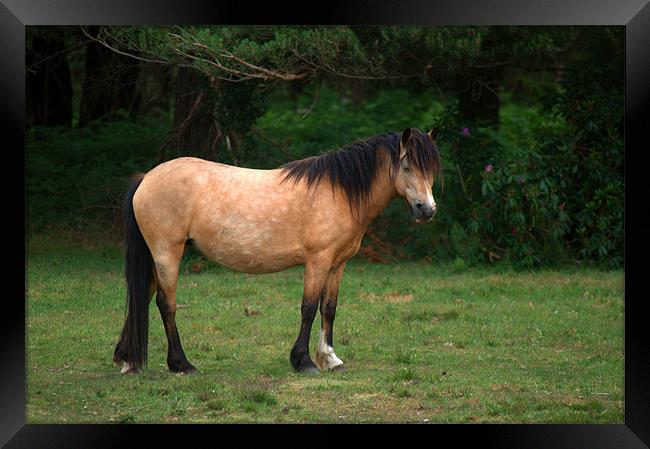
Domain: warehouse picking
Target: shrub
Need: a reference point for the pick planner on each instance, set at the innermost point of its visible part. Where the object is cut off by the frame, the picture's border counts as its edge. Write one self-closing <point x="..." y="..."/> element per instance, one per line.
<point x="75" y="176"/>
<point x="589" y="152"/>
<point x="520" y="216"/>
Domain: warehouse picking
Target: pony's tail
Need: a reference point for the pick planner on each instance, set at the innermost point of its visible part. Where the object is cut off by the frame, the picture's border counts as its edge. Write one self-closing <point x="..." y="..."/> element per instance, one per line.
<point x="132" y="347"/>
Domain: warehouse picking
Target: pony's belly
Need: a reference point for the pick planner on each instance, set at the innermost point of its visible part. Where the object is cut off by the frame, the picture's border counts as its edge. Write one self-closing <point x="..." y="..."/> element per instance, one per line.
<point x="250" y="258"/>
<point x="256" y="265"/>
<point x="264" y="239"/>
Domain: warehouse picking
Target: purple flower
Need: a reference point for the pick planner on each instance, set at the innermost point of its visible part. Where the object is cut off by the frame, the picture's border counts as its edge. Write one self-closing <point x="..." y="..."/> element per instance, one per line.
<point x="465" y="132"/>
<point x="488" y="168"/>
<point x="521" y="180"/>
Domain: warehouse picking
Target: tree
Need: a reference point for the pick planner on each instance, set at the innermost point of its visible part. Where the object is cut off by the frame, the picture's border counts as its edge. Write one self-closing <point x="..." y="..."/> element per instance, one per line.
<point x="109" y="84"/>
<point x="469" y="59"/>
<point x="49" y="86"/>
<point x="196" y="132"/>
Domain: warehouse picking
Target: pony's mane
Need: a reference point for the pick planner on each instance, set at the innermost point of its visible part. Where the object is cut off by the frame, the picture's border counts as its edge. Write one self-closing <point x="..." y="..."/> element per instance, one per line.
<point x="354" y="167"/>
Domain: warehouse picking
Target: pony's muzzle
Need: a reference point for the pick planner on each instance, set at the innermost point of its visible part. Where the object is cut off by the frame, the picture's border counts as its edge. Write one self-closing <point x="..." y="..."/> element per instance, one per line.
<point x="423" y="212"/>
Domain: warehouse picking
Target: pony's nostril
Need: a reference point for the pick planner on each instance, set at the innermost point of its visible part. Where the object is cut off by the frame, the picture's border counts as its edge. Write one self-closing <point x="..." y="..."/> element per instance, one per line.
<point x="419" y="206"/>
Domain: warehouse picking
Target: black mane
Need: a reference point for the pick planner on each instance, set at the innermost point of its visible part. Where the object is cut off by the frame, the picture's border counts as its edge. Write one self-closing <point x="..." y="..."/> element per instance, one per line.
<point x="354" y="167"/>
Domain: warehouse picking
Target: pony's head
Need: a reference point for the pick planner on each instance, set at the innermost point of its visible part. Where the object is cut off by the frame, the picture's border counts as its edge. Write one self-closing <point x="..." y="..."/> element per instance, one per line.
<point x="414" y="169"/>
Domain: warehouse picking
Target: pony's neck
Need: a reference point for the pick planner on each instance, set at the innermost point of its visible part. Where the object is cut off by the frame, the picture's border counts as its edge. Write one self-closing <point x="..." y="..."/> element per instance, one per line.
<point x="382" y="191"/>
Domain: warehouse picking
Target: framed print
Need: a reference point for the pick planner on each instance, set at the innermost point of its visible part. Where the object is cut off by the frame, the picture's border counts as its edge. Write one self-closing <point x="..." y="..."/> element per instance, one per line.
<point x="469" y="174"/>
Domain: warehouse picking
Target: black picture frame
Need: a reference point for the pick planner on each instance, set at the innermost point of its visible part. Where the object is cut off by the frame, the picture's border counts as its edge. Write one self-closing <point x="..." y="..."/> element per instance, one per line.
<point x="634" y="15"/>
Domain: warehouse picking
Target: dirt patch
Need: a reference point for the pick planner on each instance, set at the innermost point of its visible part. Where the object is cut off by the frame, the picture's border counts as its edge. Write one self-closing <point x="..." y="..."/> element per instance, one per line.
<point x="364" y="396"/>
<point x="497" y="280"/>
<point x="552" y="280"/>
<point x="397" y="298"/>
<point x="301" y="383"/>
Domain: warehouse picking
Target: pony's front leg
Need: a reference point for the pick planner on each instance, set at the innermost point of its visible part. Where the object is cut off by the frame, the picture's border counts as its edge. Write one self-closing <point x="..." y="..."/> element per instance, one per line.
<point x="316" y="271"/>
<point x="326" y="360"/>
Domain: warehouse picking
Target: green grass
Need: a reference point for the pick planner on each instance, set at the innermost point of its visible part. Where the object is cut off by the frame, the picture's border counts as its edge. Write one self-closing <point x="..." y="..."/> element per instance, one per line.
<point x="422" y="343"/>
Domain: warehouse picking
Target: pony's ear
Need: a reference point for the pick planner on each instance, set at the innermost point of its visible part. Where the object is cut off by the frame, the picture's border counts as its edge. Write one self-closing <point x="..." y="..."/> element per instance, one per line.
<point x="406" y="136"/>
<point x="404" y="141"/>
<point x="433" y="134"/>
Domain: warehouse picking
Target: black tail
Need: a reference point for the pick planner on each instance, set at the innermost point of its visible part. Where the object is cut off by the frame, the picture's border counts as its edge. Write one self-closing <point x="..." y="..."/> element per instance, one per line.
<point x="132" y="346"/>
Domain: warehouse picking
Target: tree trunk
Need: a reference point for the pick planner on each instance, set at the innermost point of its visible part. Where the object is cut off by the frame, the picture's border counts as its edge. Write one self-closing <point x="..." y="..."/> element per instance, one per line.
<point x="153" y="90"/>
<point x="357" y="91"/>
<point x="109" y="85"/>
<point x="49" y="85"/>
<point x="478" y="90"/>
<point x="196" y="132"/>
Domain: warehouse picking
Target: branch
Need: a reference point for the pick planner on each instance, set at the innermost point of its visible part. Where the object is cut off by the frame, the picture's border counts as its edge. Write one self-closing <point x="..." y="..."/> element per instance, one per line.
<point x="130" y="55"/>
<point x="282" y="76"/>
<point x="311" y="108"/>
<point x="462" y="183"/>
<point x="190" y="49"/>
<point x="65" y="51"/>
<point x="279" y="146"/>
<point x="257" y="71"/>
<point x="381" y="245"/>
<point x="348" y="75"/>
<point x="181" y="128"/>
<point x="264" y="74"/>
<point x="242" y="75"/>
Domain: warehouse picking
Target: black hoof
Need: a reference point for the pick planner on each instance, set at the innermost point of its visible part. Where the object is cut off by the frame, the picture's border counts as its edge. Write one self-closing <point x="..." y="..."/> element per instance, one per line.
<point x="309" y="371"/>
<point x="301" y="362"/>
<point x="189" y="370"/>
<point x="305" y="366"/>
<point x="183" y="367"/>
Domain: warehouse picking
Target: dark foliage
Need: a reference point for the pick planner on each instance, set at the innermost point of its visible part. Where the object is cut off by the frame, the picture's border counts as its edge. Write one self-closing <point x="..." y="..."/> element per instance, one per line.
<point x="532" y="144"/>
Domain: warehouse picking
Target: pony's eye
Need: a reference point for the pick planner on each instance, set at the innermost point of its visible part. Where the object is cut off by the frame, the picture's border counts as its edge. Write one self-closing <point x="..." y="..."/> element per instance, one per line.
<point x="406" y="168"/>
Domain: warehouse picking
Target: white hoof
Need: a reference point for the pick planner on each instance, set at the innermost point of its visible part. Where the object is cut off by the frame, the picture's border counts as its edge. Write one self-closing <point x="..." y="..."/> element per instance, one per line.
<point x="129" y="369"/>
<point x="326" y="360"/>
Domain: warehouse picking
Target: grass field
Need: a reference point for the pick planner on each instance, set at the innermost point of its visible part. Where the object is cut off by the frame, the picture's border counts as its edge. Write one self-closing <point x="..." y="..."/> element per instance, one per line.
<point x="422" y="343"/>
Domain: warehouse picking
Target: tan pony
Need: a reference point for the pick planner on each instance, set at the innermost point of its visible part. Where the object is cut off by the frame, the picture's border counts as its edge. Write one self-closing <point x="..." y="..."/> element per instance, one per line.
<point x="312" y="212"/>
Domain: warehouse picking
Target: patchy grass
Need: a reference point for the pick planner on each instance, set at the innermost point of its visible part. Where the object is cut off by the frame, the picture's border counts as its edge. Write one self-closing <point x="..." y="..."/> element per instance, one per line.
<point x="422" y="343"/>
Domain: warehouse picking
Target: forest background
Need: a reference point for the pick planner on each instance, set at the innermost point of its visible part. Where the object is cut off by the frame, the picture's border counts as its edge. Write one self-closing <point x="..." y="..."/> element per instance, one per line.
<point x="530" y="120"/>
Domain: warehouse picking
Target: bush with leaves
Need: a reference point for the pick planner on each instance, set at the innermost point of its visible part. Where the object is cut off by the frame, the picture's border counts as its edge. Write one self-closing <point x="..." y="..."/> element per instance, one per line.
<point x="78" y="176"/>
<point x="588" y="152"/>
<point x="520" y="216"/>
<point x="502" y="200"/>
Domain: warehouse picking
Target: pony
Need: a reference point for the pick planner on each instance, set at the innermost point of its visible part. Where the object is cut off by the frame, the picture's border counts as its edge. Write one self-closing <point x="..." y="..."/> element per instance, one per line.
<point x="312" y="212"/>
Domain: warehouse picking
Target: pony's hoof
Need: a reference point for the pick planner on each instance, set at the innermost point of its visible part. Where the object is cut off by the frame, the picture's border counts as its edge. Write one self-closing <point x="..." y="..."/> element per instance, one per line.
<point x="129" y="369"/>
<point x="188" y="371"/>
<point x="329" y="362"/>
<point x="309" y="371"/>
<point x="185" y="368"/>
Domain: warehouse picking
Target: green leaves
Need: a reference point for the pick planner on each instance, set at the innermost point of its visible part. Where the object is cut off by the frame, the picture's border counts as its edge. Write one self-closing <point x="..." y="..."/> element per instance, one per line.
<point x="271" y="54"/>
<point x="78" y="176"/>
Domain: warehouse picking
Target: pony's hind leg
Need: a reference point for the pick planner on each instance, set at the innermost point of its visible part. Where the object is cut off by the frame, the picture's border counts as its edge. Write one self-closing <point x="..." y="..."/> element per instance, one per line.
<point x="167" y="274"/>
<point x="176" y="359"/>
<point x="326" y="360"/>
